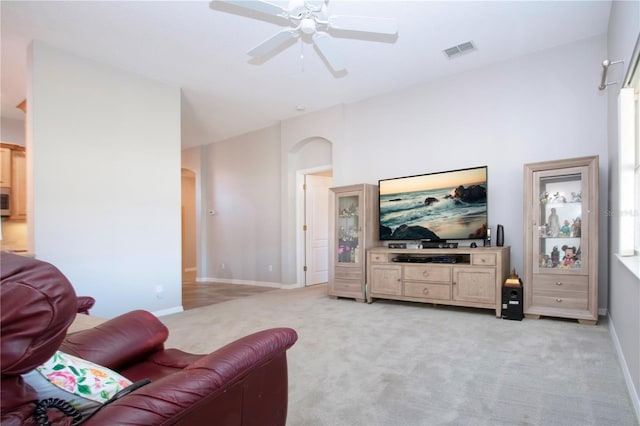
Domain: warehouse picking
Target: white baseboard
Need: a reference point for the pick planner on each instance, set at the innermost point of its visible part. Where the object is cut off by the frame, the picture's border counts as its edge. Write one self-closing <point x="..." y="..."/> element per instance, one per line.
<point x="291" y="286"/>
<point x="633" y="392"/>
<point x="168" y="311"/>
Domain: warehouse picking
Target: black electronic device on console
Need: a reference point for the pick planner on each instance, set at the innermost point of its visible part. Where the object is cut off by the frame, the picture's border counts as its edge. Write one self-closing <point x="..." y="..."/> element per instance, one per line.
<point x="438" y="244"/>
<point x="500" y="236"/>
<point x="427" y="259"/>
<point x="445" y="259"/>
<point x="397" y="245"/>
<point x="410" y="259"/>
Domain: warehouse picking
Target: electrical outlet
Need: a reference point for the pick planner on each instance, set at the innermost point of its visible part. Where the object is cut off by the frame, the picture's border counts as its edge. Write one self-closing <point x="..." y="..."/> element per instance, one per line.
<point x="270" y="268"/>
<point x="159" y="292"/>
<point x="222" y="265"/>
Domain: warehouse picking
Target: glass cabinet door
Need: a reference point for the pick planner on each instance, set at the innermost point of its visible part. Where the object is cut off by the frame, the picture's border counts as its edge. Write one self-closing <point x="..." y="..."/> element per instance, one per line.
<point x="348" y="228"/>
<point x="559" y="245"/>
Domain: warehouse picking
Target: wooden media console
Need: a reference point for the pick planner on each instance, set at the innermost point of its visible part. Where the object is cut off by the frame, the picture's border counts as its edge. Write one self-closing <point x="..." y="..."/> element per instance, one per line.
<point x="471" y="277"/>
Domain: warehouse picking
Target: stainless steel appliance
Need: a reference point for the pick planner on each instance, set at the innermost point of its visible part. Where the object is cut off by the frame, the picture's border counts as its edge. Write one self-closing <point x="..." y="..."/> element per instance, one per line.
<point x="5" y="202"/>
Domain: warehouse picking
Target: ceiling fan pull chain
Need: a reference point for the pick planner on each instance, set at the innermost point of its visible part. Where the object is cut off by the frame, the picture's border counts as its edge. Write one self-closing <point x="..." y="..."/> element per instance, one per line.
<point x="301" y="55"/>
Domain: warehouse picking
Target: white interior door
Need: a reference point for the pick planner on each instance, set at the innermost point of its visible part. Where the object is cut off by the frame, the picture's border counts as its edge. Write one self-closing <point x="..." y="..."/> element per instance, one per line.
<point x="316" y="207"/>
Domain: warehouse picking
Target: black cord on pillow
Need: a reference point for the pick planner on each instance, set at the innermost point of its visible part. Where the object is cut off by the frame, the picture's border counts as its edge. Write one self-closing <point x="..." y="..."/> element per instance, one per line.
<point x="40" y="412"/>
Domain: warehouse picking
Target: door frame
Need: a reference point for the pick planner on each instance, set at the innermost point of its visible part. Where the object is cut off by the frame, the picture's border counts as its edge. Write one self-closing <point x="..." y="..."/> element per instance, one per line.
<point x="300" y="220"/>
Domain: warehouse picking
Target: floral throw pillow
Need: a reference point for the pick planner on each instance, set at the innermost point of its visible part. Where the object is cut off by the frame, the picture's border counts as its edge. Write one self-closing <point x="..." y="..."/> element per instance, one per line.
<point x="83" y="384"/>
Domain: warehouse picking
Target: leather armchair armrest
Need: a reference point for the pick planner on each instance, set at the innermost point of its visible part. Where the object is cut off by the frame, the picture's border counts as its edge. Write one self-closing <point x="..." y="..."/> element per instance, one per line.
<point x="85" y="303"/>
<point x="121" y="341"/>
<point x="245" y="382"/>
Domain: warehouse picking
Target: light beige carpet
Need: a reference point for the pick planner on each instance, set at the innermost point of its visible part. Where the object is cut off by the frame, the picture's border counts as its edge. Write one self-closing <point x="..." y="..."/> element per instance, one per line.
<point x="393" y="363"/>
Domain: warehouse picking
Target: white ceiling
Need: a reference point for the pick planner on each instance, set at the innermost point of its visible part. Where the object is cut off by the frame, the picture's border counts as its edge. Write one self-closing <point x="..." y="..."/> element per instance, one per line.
<point x="202" y="50"/>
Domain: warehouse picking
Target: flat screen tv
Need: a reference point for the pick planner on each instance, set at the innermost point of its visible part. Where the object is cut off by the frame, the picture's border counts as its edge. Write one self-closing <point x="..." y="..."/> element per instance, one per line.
<point x="449" y="205"/>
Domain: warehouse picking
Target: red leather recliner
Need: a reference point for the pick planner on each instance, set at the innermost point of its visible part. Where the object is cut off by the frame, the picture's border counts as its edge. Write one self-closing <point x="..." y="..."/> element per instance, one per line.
<point x="85" y="303"/>
<point x="243" y="383"/>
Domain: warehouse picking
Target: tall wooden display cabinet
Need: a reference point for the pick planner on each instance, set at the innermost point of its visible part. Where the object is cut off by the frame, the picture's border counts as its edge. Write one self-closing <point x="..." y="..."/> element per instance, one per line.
<point x="561" y="239"/>
<point x="353" y="229"/>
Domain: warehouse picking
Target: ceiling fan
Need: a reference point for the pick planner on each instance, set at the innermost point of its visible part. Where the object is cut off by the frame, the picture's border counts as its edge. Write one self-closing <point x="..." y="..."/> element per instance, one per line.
<point x="309" y="20"/>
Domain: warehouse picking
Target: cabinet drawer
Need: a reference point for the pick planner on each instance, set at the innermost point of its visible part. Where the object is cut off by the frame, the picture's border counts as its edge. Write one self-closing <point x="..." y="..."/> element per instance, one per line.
<point x="560" y="283"/>
<point x="379" y="257"/>
<point x="431" y="273"/>
<point x="483" y="259"/>
<point x="348" y="273"/>
<point x="561" y="291"/>
<point x="427" y="291"/>
<point x="343" y="286"/>
<point x="569" y="301"/>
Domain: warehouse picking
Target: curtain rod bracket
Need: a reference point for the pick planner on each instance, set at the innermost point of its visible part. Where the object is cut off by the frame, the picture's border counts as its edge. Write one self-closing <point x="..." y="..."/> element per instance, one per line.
<point x="605" y="67"/>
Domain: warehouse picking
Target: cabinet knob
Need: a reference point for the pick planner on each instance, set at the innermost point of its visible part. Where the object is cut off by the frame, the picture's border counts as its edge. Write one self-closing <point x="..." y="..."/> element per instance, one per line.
<point x="558" y="300"/>
<point x="558" y="282"/>
<point x="425" y="291"/>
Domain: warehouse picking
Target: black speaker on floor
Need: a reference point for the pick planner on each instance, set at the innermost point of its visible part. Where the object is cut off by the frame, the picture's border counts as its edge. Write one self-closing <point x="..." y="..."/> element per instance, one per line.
<point x="512" y="308"/>
<point x="500" y="236"/>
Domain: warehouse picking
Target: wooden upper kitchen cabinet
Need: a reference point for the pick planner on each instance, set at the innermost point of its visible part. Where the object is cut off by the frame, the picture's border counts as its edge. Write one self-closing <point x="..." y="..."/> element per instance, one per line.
<point x="5" y="167"/>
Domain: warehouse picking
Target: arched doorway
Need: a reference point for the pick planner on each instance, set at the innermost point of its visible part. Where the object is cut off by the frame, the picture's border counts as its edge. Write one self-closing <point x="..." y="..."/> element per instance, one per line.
<point x="310" y="162"/>
<point x="189" y="269"/>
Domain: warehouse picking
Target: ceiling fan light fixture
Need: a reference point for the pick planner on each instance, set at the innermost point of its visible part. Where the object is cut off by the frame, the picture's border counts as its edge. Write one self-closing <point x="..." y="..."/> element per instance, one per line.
<point x="308" y="26"/>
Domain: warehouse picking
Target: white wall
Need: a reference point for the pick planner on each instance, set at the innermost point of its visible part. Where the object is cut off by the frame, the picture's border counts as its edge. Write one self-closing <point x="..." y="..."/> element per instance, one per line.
<point x="624" y="287"/>
<point x="253" y="194"/>
<point x="12" y="131"/>
<point x="540" y="107"/>
<point x="243" y="184"/>
<point x="105" y="180"/>
<point x="326" y="125"/>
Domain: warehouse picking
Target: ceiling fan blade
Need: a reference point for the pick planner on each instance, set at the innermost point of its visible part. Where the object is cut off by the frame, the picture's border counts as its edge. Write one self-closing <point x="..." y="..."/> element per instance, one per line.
<point x="315" y="4"/>
<point x="272" y="43"/>
<point x="257" y="6"/>
<point x="364" y="24"/>
<point x="325" y="45"/>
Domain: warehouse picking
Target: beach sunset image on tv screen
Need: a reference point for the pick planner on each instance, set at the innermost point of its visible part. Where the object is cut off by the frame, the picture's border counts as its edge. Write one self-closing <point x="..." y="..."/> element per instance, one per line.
<point x="449" y="205"/>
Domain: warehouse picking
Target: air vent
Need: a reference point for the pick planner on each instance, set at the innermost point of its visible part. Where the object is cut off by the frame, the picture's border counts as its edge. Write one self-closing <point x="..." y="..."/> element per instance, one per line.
<point x="455" y="51"/>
